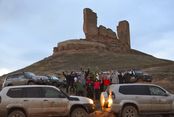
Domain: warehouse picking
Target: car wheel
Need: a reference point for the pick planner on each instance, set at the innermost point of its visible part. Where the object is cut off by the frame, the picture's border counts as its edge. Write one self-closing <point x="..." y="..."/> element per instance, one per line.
<point x="79" y="112"/>
<point x="17" y="113"/>
<point x="129" y="111"/>
<point x="31" y="83"/>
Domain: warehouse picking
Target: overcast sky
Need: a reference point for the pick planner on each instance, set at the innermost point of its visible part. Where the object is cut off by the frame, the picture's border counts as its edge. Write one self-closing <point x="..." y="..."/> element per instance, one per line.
<point x="29" y="29"/>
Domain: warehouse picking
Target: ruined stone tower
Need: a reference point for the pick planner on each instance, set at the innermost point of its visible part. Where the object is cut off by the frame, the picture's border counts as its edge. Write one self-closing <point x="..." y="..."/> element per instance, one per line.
<point x="98" y="38"/>
<point x="90" y="24"/>
<point x="124" y="33"/>
<point x="105" y="35"/>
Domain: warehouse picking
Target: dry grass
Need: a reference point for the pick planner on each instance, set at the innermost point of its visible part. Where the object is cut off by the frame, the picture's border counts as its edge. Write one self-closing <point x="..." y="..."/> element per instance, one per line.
<point x="161" y="70"/>
<point x="95" y="61"/>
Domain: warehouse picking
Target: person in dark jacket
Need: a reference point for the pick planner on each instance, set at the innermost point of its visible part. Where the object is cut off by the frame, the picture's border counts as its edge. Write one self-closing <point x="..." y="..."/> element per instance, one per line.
<point x="68" y="80"/>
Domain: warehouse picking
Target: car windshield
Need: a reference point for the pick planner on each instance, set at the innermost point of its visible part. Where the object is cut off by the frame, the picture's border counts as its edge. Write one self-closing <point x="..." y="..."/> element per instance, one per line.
<point x="55" y="78"/>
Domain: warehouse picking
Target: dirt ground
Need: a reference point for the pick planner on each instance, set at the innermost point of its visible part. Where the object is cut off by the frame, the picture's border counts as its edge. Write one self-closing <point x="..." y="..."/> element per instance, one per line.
<point x="105" y="113"/>
<point x="109" y="114"/>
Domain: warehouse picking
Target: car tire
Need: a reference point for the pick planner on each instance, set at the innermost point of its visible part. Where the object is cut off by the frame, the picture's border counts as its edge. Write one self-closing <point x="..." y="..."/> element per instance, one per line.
<point x="31" y="83"/>
<point x="16" y="113"/>
<point x="129" y="111"/>
<point x="79" y="112"/>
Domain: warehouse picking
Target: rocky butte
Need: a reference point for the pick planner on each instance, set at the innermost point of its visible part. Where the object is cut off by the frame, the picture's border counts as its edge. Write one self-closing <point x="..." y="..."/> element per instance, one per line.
<point x="98" y="38"/>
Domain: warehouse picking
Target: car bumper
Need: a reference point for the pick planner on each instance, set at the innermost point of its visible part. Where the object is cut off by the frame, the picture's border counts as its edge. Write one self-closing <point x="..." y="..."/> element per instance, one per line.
<point x="90" y="107"/>
<point x="116" y="108"/>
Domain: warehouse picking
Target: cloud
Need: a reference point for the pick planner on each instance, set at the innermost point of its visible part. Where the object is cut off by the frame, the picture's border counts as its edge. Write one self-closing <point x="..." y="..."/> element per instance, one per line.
<point x="4" y="71"/>
<point x="160" y="45"/>
<point x="29" y="29"/>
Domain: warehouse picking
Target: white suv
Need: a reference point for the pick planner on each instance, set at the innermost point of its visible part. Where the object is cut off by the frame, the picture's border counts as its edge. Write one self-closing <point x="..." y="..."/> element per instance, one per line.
<point x="43" y="101"/>
<point x="132" y="100"/>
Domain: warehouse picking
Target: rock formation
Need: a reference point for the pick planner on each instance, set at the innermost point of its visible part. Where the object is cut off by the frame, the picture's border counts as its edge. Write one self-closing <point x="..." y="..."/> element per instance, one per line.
<point x="98" y="38"/>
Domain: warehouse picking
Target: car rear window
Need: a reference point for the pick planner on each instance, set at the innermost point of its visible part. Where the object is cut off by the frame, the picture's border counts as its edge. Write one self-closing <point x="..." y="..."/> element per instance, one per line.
<point x="134" y="90"/>
<point x="26" y="92"/>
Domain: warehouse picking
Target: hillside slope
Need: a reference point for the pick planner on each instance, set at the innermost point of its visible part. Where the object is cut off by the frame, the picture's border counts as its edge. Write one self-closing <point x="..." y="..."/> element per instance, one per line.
<point x="161" y="70"/>
<point x="95" y="61"/>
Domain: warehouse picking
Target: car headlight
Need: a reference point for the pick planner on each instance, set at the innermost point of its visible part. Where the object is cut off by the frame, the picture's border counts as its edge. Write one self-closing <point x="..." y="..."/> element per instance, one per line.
<point x="91" y="101"/>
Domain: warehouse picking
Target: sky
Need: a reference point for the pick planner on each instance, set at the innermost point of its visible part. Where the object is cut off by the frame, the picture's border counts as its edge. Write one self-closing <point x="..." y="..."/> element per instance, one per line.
<point x="29" y="29"/>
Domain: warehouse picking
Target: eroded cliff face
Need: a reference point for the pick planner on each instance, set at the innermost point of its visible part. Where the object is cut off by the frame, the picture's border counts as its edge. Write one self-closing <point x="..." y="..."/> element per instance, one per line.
<point x="98" y="38"/>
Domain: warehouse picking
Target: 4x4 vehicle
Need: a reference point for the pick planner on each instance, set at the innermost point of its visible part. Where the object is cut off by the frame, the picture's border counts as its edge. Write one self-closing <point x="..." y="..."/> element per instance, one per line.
<point x="22" y="78"/>
<point x="25" y="78"/>
<point x="42" y="101"/>
<point x="131" y="100"/>
<point x="135" y="75"/>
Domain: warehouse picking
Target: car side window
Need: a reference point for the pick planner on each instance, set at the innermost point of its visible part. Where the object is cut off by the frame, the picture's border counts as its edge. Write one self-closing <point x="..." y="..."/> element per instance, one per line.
<point x="52" y="93"/>
<point x="157" y="91"/>
<point x="134" y="90"/>
<point x="34" y="92"/>
<point x="16" y="93"/>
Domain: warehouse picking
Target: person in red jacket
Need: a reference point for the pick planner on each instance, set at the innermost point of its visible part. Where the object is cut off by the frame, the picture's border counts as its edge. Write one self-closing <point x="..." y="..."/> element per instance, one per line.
<point x="106" y="83"/>
<point x="97" y="84"/>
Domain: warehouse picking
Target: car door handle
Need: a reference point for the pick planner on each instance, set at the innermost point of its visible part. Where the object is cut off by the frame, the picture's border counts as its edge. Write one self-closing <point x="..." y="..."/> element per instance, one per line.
<point x="163" y="100"/>
<point x="45" y="100"/>
<point x="25" y="100"/>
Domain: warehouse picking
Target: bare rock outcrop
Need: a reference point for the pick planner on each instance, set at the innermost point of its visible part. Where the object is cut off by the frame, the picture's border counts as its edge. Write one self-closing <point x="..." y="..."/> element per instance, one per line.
<point x="101" y="38"/>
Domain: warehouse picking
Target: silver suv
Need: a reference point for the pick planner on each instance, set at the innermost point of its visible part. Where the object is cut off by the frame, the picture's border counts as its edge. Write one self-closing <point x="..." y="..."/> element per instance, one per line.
<point x="22" y="78"/>
<point x="42" y="101"/>
<point x="132" y="100"/>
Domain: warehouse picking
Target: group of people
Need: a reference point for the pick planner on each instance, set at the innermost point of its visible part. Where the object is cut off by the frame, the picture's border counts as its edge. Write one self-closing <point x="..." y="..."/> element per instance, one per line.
<point x="90" y="84"/>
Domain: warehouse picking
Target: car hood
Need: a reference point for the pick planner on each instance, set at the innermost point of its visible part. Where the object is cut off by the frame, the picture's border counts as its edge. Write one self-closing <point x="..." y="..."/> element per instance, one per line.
<point x="81" y="100"/>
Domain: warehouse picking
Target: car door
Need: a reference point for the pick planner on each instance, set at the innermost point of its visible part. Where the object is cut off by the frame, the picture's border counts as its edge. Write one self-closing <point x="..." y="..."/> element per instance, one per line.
<point x="18" y="80"/>
<point x="33" y="101"/>
<point x="143" y="98"/>
<point x="27" y="98"/>
<point x="22" y="80"/>
<point x="138" y="94"/>
<point x="55" y="103"/>
<point x="161" y="101"/>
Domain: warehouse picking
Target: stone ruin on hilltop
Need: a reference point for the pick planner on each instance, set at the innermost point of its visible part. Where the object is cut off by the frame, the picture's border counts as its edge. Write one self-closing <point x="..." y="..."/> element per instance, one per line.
<point x="98" y="38"/>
